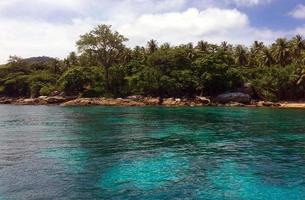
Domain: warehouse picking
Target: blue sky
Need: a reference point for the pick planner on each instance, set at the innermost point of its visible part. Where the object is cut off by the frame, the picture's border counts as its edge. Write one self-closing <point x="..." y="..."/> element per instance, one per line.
<point x="51" y="27"/>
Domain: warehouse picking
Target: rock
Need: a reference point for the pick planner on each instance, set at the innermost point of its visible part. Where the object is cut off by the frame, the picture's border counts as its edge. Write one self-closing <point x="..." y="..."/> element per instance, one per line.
<point x="178" y="100"/>
<point x="234" y="97"/>
<point x="5" y="100"/>
<point x="235" y="104"/>
<point x="55" y="100"/>
<point x="202" y="100"/>
<point x="31" y="101"/>
<point x="102" y="101"/>
<point x="152" y="101"/>
<point x="43" y="97"/>
<point x="135" y="97"/>
<point x="170" y="102"/>
<point x="55" y="93"/>
<point x="267" y="104"/>
<point x="82" y="102"/>
<point x="248" y="88"/>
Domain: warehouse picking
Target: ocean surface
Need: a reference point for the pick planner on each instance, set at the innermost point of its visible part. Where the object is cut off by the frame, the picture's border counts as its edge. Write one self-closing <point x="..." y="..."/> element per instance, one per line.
<point x="52" y="152"/>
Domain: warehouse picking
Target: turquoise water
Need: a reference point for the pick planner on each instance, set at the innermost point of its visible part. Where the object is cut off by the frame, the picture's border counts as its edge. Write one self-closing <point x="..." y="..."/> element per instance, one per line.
<point x="50" y="152"/>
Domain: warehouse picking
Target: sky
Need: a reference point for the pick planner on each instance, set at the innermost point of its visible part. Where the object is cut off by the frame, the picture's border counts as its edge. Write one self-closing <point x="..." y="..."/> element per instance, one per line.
<point x="51" y="27"/>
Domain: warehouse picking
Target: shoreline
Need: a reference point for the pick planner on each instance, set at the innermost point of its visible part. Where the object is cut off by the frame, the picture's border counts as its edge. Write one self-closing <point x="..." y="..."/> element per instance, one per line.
<point x="143" y="101"/>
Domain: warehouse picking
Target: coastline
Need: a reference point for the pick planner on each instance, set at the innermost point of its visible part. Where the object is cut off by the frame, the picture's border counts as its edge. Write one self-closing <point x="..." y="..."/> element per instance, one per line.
<point x="143" y="101"/>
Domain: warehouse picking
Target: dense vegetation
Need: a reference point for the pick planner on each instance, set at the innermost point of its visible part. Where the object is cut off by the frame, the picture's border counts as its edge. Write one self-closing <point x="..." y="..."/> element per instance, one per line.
<point x="106" y="67"/>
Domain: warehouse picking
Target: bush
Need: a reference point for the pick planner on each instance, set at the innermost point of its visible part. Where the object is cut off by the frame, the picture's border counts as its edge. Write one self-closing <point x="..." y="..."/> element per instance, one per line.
<point x="79" y="80"/>
<point x="46" y="90"/>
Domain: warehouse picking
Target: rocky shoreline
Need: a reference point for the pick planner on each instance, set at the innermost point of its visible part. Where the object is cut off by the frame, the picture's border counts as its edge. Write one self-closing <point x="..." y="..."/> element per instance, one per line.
<point x="229" y="101"/>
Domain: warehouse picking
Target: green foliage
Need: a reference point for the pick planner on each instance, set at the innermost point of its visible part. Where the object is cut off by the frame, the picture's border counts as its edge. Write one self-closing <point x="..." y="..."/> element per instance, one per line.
<point x="46" y="90"/>
<point x="105" y="46"/>
<point x="79" y="80"/>
<point x="106" y="67"/>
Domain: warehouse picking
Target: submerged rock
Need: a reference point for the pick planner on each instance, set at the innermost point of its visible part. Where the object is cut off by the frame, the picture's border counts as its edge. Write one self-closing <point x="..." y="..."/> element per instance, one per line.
<point x="234" y="97"/>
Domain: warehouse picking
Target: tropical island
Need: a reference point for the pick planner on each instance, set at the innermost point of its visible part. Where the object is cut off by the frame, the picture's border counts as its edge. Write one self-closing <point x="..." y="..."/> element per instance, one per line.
<point x="106" y="72"/>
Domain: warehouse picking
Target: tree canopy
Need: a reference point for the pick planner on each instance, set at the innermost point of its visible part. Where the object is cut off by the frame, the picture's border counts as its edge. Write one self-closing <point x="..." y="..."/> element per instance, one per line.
<point x="104" y="66"/>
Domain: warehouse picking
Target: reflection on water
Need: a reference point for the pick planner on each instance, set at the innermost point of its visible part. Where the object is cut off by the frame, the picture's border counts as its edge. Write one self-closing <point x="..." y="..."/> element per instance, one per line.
<point x="151" y="153"/>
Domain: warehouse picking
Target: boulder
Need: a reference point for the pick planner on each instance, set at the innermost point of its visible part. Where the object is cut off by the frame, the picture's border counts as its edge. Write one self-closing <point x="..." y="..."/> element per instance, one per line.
<point x="248" y="88"/>
<point x="203" y="100"/>
<point x="170" y="102"/>
<point x="152" y="101"/>
<point x="31" y="101"/>
<point x="4" y="100"/>
<point x="234" y="104"/>
<point x="237" y="97"/>
<point x="55" y="93"/>
<point x="176" y="102"/>
<point x="43" y="97"/>
<point x="135" y="97"/>
<point x="268" y="104"/>
<point x="55" y="100"/>
<point x="83" y="102"/>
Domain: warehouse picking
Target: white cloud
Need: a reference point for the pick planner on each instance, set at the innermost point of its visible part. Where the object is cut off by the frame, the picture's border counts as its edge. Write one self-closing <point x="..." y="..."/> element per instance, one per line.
<point x="212" y="24"/>
<point x="36" y="28"/>
<point x="248" y="2"/>
<point x="298" y="12"/>
<point x="179" y="27"/>
<point x="36" y="38"/>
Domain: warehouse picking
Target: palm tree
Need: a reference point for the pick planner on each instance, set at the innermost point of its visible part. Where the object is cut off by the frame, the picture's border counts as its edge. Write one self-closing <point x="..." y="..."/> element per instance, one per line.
<point x="255" y="51"/>
<point x="297" y="46"/>
<point x="241" y="55"/>
<point x="203" y="46"/>
<point x="281" y="52"/>
<point x="226" y="46"/>
<point x="165" y="46"/>
<point x="265" y="57"/>
<point x="152" y="46"/>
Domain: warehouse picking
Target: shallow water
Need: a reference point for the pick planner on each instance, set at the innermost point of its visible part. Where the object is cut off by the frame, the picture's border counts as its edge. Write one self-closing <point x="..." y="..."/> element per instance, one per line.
<point x="50" y="152"/>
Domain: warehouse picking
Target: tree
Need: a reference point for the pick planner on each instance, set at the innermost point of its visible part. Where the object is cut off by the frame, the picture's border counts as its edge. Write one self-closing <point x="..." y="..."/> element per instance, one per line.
<point x="226" y="47"/>
<point x="72" y="59"/>
<point x="281" y="52"/>
<point x="152" y="46"/>
<point x="203" y="46"/>
<point x="106" y="45"/>
<point x="265" y="58"/>
<point x="14" y="59"/>
<point x="241" y="55"/>
<point x="297" y="46"/>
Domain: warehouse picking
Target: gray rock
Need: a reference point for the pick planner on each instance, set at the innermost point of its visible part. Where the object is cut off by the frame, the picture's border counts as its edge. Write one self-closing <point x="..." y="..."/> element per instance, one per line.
<point x="248" y="88"/>
<point x="237" y="97"/>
